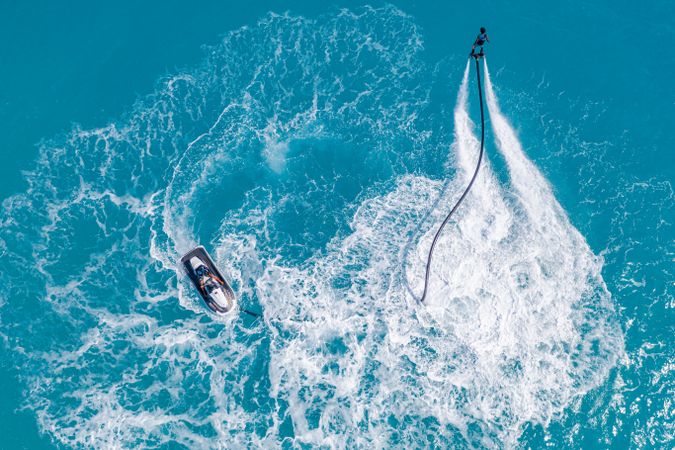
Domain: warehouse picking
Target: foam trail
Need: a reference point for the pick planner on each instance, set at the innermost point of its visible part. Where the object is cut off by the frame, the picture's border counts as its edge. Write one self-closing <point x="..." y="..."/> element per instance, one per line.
<point x="518" y="327"/>
<point x="561" y="267"/>
<point x="483" y="220"/>
<point x="486" y="196"/>
<point x="546" y="217"/>
<point x="462" y="147"/>
<point x="535" y="191"/>
<point x="519" y="296"/>
<point x="465" y="141"/>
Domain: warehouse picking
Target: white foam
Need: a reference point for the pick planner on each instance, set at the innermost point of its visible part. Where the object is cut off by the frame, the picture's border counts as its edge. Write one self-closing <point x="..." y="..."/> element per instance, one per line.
<point x="275" y="153"/>
<point x="519" y="322"/>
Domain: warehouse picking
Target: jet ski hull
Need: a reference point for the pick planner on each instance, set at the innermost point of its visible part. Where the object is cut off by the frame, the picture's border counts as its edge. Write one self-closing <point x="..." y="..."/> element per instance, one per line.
<point x="202" y="255"/>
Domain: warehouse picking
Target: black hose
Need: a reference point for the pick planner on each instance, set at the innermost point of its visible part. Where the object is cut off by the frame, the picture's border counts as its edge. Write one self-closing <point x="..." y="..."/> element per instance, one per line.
<point x="466" y="191"/>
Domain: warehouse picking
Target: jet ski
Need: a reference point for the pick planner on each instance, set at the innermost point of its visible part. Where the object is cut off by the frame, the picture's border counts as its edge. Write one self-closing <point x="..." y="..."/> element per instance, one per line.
<point x="208" y="281"/>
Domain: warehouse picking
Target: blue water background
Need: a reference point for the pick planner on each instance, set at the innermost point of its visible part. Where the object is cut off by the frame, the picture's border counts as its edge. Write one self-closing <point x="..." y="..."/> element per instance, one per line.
<point x="597" y="72"/>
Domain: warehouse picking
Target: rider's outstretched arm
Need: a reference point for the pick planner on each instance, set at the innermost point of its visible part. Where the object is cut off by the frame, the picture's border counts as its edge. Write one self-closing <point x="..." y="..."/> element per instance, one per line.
<point x="216" y="278"/>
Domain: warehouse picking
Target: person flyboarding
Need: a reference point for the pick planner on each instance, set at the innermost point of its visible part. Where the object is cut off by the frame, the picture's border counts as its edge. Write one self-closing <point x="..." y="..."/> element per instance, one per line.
<point x="481" y="39"/>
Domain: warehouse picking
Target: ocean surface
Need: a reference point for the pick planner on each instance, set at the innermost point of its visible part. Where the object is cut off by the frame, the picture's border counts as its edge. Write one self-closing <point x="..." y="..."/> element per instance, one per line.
<point x="314" y="148"/>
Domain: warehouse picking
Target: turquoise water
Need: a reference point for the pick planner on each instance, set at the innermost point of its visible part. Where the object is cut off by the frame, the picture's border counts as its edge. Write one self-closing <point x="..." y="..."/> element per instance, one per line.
<point x="314" y="152"/>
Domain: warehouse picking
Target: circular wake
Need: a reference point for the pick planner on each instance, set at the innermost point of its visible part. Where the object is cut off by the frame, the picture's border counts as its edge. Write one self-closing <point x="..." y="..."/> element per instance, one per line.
<point x="294" y="151"/>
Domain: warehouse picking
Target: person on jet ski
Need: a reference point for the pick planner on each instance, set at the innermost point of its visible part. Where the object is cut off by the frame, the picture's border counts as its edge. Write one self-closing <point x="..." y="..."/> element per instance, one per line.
<point x="481" y="39"/>
<point x="205" y="276"/>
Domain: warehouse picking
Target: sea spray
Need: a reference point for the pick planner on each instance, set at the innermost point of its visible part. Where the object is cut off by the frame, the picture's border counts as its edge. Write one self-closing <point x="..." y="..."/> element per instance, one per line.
<point x="502" y="342"/>
<point x="119" y="351"/>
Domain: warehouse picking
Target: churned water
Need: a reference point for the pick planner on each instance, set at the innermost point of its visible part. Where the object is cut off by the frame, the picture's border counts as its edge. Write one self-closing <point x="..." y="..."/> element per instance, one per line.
<point x="315" y="155"/>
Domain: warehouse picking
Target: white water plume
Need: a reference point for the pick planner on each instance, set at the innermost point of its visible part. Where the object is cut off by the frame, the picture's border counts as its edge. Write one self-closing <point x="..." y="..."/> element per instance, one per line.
<point x="519" y="322"/>
<point x="518" y="326"/>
